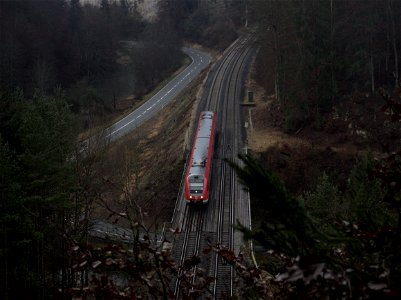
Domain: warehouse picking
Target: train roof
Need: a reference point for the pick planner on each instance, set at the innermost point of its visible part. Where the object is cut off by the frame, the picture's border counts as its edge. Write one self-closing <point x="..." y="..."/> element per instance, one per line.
<point x="201" y="145"/>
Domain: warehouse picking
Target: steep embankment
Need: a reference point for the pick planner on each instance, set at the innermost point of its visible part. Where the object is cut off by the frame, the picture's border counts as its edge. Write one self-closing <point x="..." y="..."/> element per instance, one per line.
<point x="144" y="168"/>
<point x="299" y="158"/>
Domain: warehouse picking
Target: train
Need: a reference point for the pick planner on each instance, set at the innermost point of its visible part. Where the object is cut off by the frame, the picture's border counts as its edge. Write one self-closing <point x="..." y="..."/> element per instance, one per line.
<point x="197" y="178"/>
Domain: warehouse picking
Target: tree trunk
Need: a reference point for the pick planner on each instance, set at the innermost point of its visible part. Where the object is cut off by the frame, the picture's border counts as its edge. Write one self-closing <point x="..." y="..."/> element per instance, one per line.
<point x="277" y="65"/>
<point x="372" y="72"/>
<point x="332" y="50"/>
<point x="394" y="44"/>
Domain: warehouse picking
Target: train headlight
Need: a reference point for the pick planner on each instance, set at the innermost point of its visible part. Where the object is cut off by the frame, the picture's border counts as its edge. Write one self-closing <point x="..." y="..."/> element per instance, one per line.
<point x="201" y="197"/>
<point x="190" y="197"/>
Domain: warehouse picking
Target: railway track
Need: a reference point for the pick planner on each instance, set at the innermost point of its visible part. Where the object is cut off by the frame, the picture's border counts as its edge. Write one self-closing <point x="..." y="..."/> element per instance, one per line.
<point x="189" y="246"/>
<point x="213" y="224"/>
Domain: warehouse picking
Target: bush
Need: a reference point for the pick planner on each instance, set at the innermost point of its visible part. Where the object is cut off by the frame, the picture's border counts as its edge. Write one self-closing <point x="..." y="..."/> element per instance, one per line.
<point x="325" y="203"/>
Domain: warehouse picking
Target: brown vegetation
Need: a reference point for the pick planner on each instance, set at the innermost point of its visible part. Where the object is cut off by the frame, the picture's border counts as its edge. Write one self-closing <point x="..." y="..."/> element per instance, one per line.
<point x="299" y="158"/>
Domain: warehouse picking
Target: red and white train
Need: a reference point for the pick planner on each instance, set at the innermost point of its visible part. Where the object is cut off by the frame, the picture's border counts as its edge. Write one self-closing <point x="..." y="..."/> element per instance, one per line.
<point x="197" y="179"/>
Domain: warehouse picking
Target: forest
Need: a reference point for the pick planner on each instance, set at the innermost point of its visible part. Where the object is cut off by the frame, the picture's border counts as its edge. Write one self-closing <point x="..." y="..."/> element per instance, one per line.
<point x="331" y="72"/>
<point x="327" y="52"/>
<point x="56" y="56"/>
<point x="65" y="64"/>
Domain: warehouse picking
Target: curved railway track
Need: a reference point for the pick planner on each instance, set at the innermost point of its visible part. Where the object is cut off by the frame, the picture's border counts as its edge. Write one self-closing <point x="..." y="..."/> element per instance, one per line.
<point x="213" y="224"/>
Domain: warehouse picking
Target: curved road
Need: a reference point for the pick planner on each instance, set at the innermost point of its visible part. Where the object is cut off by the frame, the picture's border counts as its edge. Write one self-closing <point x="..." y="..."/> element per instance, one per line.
<point x="200" y="61"/>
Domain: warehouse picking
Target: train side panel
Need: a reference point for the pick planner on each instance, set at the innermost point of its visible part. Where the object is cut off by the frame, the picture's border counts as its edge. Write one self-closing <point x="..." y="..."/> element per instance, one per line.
<point x="187" y="193"/>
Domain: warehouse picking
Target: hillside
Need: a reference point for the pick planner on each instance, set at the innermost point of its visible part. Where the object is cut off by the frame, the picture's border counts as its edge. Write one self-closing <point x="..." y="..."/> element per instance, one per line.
<point x="301" y="157"/>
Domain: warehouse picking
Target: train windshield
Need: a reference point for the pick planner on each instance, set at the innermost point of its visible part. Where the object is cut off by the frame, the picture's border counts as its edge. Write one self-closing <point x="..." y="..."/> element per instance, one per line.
<point x="196" y="184"/>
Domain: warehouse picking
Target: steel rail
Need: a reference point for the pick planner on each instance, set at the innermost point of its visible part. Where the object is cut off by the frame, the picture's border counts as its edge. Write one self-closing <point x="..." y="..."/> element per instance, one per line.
<point x="233" y="94"/>
<point x="219" y="226"/>
<point x="227" y="184"/>
<point x="188" y="223"/>
<point x="221" y="64"/>
<point x="197" y="242"/>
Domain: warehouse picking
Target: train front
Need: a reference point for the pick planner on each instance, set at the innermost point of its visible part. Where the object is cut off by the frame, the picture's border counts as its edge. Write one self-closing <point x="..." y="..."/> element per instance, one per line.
<point x="196" y="191"/>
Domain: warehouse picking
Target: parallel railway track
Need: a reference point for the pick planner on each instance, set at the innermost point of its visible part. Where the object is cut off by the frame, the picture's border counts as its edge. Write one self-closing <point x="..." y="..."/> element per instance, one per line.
<point x="214" y="223"/>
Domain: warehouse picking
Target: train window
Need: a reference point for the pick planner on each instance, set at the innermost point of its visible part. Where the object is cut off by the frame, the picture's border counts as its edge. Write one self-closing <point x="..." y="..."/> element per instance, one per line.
<point x="196" y="179"/>
<point x="199" y="163"/>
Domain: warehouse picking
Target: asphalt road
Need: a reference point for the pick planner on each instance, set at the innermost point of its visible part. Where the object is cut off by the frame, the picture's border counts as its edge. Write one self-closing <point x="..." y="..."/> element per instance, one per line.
<point x="200" y="61"/>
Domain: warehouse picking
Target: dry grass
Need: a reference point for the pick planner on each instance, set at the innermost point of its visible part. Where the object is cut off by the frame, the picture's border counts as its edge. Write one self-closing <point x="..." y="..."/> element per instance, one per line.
<point x="299" y="158"/>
